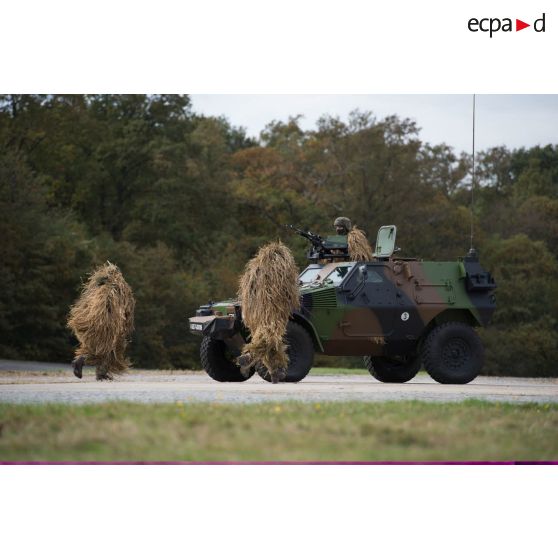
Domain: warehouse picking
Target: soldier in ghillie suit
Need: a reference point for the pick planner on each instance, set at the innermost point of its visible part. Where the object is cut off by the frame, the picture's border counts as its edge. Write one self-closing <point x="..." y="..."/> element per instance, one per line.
<point x="102" y="319"/>
<point x="269" y="294"/>
<point x="358" y="246"/>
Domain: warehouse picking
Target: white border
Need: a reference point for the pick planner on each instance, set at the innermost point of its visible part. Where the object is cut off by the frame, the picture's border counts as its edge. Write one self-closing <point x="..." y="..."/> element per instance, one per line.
<point x="292" y="46"/>
<point x="278" y="511"/>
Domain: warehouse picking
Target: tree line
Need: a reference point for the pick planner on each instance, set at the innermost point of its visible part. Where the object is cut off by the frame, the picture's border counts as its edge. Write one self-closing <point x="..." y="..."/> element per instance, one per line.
<point x="180" y="201"/>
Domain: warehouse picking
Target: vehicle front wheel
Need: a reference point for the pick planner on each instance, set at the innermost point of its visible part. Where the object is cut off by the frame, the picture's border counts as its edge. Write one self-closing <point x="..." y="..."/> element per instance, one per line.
<point x="219" y="363"/>
<point x="394" y="370"/>
<point x="301" y="354"/>
<point x="453" y="353"/>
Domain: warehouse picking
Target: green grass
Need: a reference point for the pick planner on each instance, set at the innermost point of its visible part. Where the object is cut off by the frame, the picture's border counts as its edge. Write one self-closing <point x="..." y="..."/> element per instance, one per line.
<point x="392" y="431"/>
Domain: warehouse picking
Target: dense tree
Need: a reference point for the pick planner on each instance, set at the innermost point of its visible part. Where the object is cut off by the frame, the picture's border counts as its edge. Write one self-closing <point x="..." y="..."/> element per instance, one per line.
<point x="524" y="334"/>
<point x="43" y="253"/>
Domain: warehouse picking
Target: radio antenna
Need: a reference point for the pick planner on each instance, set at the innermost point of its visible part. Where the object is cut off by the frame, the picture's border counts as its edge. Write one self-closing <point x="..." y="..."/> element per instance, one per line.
<point x="473" y="175"/>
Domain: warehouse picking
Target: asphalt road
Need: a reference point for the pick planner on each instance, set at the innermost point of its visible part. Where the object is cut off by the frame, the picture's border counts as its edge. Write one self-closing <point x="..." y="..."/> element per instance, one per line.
<point x="27" y="382"/>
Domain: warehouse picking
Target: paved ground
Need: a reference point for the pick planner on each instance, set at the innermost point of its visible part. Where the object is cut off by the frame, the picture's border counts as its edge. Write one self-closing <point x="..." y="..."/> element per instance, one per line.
<point x="39" y="383"/>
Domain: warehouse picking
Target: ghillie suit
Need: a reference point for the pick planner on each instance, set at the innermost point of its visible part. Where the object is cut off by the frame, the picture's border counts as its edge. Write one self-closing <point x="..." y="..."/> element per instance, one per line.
<point x="268" y="294"/>
<point x="102" y="319"/>
<point x="359" y="248"/>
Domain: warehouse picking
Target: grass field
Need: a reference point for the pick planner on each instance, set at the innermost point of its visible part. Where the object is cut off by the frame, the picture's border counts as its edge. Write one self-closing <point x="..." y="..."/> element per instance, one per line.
<point x="390" y="431"/>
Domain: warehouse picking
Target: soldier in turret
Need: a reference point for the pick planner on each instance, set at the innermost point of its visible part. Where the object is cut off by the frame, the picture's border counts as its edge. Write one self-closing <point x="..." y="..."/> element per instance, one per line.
<point x="357" y="245"/>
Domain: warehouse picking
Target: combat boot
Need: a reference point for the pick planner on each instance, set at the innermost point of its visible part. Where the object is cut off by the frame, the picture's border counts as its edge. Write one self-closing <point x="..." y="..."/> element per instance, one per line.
<point x="78" y="363"/>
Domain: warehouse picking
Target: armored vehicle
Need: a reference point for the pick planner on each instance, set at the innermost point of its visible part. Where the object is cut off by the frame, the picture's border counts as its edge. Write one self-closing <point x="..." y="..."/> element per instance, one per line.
<point x="398" y="313"/>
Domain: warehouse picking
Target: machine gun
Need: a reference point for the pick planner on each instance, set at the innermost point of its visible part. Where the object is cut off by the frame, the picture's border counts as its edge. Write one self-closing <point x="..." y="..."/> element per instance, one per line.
<point x="331" y="248"/>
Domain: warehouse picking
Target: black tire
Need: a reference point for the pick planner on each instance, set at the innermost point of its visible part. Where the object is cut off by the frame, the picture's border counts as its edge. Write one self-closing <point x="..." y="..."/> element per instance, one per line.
<point x="453" y="353"/>
<point x="301" y="354"/>
<point x="397" y="370"/>
<point x="218" y="363"/>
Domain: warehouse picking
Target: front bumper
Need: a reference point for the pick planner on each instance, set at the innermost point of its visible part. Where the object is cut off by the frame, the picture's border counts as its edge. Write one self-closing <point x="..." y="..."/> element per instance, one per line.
<point x="217" y="327"/>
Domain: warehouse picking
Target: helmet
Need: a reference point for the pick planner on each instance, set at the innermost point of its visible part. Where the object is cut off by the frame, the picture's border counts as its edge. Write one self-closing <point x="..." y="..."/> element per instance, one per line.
<point x="343" y="222"/>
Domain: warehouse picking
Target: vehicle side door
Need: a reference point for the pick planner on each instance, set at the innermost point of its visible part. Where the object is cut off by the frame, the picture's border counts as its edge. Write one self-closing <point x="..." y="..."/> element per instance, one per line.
<point x="370" y="297"/>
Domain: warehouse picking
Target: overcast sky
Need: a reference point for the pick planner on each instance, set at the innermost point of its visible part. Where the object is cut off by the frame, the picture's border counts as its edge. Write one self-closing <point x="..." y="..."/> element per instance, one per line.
<point x="511" y="120"/>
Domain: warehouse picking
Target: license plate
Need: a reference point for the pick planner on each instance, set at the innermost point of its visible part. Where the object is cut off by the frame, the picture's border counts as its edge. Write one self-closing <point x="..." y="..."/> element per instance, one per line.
<point x="197" y="327"/>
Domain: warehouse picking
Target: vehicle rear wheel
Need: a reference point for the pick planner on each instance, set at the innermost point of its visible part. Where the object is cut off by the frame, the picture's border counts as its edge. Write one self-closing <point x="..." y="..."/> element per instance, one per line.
<point x="219" y="362"/>
<point x="453" y="353"/>
<point x="394" y="370"/>
<point x="301" y="354"/>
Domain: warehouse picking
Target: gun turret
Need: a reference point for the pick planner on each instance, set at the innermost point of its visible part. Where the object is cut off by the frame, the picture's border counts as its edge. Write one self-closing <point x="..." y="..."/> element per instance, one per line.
<point x="331" y="248"/>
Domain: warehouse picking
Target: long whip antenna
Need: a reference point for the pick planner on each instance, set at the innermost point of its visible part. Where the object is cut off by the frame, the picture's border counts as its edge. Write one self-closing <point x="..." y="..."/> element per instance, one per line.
<point x="473" y="174"/>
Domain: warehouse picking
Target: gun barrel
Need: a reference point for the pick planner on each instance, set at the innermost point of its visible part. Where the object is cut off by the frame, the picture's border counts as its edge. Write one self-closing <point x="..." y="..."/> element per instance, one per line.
<point x="314" y="238"/>
<point x="297" y="230"/>
<point x="321" y="249"/>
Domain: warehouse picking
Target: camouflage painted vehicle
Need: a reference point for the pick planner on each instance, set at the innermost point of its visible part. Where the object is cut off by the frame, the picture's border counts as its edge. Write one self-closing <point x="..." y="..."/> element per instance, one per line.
<point x="398" y="313"/>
